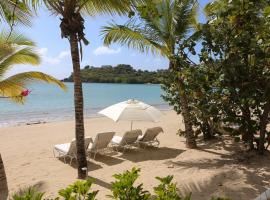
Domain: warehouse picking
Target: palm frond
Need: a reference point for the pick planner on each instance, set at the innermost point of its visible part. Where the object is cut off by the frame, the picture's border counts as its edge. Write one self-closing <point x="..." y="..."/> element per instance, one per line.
<point x="25" y="55"/>
<point x="128" y="35"/>
<point x="185" y="16"/>
<point x="95" y="7"/>
<point x="15" y="39"/>
<point x="13" y="86"/>
<point x="15" y="11"/>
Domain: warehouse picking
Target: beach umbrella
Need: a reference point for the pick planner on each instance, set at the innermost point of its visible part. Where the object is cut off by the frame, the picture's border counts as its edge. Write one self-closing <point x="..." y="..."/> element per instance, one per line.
<point x="131" y="110"/>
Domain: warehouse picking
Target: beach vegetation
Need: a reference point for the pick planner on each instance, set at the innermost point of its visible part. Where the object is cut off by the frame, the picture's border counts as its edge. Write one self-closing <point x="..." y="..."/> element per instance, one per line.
<point x="228" y="89"/>
<point x="158" y="27"/>
<point x="123" y="188"/>
<point x="79" y="190"/>
<point x="17" y="49"/>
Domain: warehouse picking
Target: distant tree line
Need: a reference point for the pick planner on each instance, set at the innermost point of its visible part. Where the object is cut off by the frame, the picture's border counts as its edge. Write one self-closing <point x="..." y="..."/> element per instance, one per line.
<point x="121" y="73"/>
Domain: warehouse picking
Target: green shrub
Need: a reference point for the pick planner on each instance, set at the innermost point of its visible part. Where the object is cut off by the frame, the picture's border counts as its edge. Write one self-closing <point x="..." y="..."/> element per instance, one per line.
<point x="80" y="190"/>
<point x="28" y="194"/>
<point x="123" y="189"/>
<point x="167" y="190"/>
<point x="219" y="198"/>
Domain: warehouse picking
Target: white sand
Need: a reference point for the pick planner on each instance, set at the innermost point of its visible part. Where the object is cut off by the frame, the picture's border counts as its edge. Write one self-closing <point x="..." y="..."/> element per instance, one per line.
<point x="214" y="169"/>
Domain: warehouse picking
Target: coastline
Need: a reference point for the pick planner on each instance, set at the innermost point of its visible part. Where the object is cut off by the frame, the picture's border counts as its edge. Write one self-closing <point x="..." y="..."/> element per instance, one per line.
<point x="58" y="117"/>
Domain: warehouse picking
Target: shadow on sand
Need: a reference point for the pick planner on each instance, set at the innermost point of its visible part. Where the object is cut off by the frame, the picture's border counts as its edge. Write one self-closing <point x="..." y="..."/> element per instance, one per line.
<point x="91" y="165"/>
<point x="238" y="167"/>
<point x="153" y="153"/>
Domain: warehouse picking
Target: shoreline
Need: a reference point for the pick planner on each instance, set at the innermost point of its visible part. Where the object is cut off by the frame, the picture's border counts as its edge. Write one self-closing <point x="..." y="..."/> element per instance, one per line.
<point x="63" y="119"/>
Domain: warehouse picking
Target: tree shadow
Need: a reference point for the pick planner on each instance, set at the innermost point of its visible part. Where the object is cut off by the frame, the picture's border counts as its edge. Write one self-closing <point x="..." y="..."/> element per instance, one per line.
<point x="91" y="166"/>
<point x="236" y="174"/>
<point x="108" y="160"/>
<point x="101" y="183"/>
<point x="161" y="153"/>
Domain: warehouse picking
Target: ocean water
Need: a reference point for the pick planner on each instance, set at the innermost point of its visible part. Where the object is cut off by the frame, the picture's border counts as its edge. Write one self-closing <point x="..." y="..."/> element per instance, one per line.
<point x="47" y="103"/>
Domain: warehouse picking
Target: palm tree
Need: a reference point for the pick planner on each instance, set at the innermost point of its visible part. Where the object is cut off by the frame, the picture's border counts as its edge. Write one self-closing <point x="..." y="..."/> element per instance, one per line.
<point x="16" y="49"/>
<point x="161" y="34"/>
<point x="72" y="28"/>
<point x="3" y="181"/>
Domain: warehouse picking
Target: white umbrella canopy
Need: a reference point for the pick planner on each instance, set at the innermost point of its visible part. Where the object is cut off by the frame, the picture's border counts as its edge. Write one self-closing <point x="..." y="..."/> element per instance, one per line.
<point x="131" y="110"/>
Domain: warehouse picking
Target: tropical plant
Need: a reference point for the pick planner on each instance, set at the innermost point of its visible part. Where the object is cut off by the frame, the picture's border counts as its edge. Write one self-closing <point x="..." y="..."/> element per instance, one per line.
<point x="79" y="190"/>
<point x="123" y="188"/>
<point x="17" y="49"/>
<point x="72" y="28"/>
<point x="30" y="193"/>
<point x="161" y="26"/>
<point x="236" y="44"/>
<point x="167" y="190"/>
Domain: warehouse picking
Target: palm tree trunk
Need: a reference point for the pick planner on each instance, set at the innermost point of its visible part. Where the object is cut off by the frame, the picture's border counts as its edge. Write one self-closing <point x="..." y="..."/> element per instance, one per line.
<point x="78" y="103"/>
<point x="190" y="137"/>
<point x="263" y="124"/>
<point x="3" y="181"/>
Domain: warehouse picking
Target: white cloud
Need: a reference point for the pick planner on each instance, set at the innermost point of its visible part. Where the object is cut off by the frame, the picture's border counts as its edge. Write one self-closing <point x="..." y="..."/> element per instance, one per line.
<point x="50" y="59"/>
<point x="102" y="50"/>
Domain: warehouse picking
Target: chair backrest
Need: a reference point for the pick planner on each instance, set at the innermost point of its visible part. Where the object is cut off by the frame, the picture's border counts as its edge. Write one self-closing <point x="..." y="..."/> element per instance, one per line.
<point x="72" y="148"/>
<point x="130" y="137"/>
<point x="151" y="133"/>
<point x="87" y="141"/>
<point x="102" y="140"/>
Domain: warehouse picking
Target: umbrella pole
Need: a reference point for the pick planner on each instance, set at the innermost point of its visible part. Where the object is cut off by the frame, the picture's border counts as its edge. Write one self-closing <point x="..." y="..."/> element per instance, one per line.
<point x="131" y="125"/>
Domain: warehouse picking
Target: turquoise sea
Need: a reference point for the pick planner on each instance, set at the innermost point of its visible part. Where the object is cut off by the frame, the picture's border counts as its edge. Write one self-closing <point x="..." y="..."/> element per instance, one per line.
<point x="47" y="103"/>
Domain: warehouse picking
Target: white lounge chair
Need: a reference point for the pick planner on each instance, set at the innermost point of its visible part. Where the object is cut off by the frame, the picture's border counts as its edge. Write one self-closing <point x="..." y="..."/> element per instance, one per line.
<point x="100" y="143"/>
<point x="149" y="138"/>
<point x="69" y="149"/>
<point x="264" y="196"/>
<point x="128" y="139"/>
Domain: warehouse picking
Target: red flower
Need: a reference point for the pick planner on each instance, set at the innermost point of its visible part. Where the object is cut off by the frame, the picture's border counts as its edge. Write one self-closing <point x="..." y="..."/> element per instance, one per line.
<point x="25" y="93"/>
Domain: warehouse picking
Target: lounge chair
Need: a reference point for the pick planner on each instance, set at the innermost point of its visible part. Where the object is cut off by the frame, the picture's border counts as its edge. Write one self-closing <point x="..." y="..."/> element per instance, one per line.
<point x="100" y="143"/>
<point x="264" y="196"/>
<point x="150" y="137"/>
<point x="69" y="149"/>
<point x="128" y="140"/>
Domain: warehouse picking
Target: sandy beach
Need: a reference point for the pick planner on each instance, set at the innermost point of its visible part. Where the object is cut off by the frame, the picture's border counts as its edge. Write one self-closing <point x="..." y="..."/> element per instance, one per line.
<point x="215" y="168"/>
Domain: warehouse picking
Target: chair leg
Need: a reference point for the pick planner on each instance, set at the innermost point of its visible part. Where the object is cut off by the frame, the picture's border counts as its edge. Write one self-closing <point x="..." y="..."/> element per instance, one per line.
<point x="95" y="155"/>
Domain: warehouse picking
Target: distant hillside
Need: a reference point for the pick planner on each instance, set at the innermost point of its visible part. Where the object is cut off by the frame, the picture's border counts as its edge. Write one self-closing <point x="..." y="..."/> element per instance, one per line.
<point x="119" y="74"/>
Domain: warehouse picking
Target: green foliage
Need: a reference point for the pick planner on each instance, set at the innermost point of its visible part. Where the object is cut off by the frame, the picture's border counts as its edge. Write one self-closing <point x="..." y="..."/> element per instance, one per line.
<point x="16" y="49"/>
<point x="167" y="190"/>
<point x="236" y="44"/>
<point x="28" y="194"/>
<point x="80" y="190"/>
<point x="219" y="198"/>
<point x="119" y="74"/>
<point x="123" y="188"/>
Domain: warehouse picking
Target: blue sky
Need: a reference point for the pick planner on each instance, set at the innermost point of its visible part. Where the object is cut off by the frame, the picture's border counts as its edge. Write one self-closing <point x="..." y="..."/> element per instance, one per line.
<point x="55" y="54"/>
